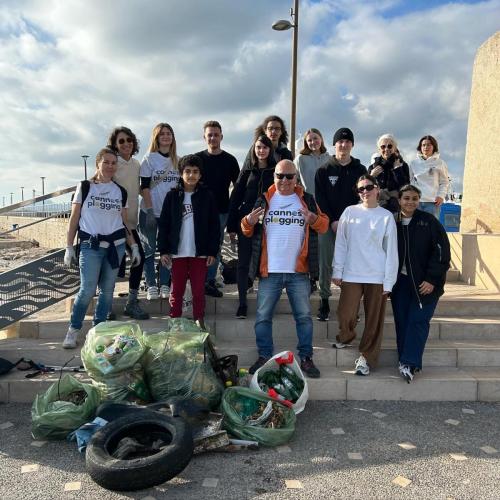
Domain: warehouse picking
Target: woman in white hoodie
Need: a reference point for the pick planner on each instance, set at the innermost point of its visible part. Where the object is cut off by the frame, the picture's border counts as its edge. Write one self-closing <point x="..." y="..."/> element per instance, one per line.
<point x="430" y="174"/>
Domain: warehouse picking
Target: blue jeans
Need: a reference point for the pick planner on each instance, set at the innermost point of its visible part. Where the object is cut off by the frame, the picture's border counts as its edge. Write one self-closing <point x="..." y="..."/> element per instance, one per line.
<point x="412" y="322"/>
<point x="149" y="240"/>
<point x="212" y="270"/>
<point x="430" y="207"/>
<point x="298" y="288"/>
<point x="95" y="270"/>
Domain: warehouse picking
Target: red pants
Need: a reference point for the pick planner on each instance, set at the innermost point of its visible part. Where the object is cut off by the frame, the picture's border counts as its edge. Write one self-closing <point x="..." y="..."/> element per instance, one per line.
<point x="194" y="269"/>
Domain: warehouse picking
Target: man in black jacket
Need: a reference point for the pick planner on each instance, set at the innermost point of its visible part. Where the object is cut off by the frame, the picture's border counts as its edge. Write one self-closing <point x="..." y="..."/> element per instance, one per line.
<point x="334" y="191"/>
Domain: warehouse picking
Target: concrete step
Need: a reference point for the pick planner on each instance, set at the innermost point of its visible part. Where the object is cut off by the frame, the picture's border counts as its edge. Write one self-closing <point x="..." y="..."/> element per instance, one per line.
<point x="228" y="328"/>
<point x="453" y="275"/>
<point x="438" y="353"/>
<point x="433" y="384"/>
<point x="227" y="305"/>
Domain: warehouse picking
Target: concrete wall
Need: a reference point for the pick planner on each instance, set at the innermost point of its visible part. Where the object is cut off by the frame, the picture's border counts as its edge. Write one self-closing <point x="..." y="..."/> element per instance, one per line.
<point x="50" y="233"/>
<point x="481" y="203"/>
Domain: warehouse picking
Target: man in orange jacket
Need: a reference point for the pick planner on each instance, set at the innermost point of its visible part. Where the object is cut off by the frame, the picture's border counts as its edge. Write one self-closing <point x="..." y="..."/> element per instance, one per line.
<point x="284" y="227"/>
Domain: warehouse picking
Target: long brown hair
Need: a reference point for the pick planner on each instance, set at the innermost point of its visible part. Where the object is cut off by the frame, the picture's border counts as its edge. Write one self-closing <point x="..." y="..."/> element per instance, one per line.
<point x="305" y="148"/>
<point x="99" y="156"/>
<point x="154" y="146"/>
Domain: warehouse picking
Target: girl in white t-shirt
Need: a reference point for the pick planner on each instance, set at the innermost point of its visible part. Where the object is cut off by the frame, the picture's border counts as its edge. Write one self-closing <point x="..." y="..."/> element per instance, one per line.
<point x="159" y="174"/>
<point x="99" y="214"/>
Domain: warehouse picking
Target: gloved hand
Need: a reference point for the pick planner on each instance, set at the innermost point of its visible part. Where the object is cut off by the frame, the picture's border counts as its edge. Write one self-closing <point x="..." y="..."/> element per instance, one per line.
<point x="135" y="256"/>
<point x="69" y="256"/>
<point x="150" y="219"/>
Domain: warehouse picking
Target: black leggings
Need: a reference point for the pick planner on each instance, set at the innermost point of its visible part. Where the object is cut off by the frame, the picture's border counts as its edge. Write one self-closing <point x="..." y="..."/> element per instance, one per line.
<point x="134" y="280"/>
<point x="244" y="256"/>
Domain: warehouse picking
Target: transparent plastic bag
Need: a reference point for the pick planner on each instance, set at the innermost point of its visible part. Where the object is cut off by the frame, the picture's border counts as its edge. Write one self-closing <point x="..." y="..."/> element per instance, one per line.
<point x="178" y="364"/>
<point x="244" y="419"/>
<point x="54" y="418"/>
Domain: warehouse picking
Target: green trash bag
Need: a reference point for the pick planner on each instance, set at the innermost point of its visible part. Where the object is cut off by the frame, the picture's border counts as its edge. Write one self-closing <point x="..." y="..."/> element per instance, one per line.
<point x="112" y="347"/>
<point x="178" y="363"/>
<point x="54" y="415"/>
<point x="253" y="415"/>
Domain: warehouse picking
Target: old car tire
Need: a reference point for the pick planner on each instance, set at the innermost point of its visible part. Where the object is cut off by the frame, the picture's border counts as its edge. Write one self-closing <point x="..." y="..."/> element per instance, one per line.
<point x="142" y="472"/>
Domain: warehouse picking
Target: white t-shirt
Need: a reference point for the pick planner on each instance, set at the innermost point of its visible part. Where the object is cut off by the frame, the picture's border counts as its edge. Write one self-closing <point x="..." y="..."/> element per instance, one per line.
<point x="161" y="169"/>
<point x="366" y="247"/>
<point x="405" y="221"/>
<point x="187" y="244"/>
<point x="285" y="232"/>
<point x="101" y="211"/>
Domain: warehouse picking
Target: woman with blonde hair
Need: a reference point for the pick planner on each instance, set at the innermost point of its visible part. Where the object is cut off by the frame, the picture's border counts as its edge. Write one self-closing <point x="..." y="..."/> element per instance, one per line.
<point x="312" y="155"/>
<point x="390" y="170"/>
<point x="159" y="174"/>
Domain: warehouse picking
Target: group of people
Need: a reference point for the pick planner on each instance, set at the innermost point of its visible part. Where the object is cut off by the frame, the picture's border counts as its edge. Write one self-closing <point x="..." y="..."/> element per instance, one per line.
<point x="372" y="232"/>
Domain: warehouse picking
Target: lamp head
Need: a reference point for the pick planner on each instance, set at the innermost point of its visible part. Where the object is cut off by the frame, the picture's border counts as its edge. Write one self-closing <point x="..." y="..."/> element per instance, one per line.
<point x="282" y="25"/>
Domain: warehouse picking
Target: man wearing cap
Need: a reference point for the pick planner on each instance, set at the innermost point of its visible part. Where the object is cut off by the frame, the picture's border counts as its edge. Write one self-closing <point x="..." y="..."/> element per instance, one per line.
<point x="334" y="191"/>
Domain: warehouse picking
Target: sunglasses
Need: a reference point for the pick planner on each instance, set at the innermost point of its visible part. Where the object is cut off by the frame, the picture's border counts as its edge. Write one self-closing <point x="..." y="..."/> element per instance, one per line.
<point x="122" y="140"/>
<point x="370" y="187"/>
<point x="388" y="146"/>
<point x="274" y="129"/>
<point x="284" y="176"/>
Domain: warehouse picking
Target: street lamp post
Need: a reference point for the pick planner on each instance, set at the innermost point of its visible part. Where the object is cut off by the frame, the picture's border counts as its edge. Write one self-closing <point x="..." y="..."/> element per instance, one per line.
<point x="85" y="164"/>
<point x="11" y="199"/>
<point x="283" y="25"/>
<point x="34" y="191"/>
<point x="22" y="193"/>
<point x="43" y="190"/>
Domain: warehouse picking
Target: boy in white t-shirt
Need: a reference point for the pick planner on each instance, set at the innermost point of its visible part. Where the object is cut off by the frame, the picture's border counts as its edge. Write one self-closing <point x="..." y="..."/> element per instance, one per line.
<point x="189" y="236"/>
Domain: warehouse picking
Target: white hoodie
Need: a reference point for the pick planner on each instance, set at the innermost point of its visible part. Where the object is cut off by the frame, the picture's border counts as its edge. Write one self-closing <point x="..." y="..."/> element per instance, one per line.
<point x="430" y="176"/>
<point x="366" y="247"/>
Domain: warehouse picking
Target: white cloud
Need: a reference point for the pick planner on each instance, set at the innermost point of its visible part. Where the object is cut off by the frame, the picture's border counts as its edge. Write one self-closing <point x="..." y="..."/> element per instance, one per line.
<point x="70" y="71"/>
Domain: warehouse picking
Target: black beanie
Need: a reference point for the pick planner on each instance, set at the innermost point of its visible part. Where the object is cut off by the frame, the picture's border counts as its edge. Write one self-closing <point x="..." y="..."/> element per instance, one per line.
<point x="343" y="133"/>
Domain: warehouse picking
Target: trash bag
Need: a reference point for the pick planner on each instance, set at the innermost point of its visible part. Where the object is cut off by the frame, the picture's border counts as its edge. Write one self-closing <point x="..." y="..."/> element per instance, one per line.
<point x="244" y="418"/>
<point x="64" y="407"/>
<point x="178" y="363"/>
<point x="112" y="355"/>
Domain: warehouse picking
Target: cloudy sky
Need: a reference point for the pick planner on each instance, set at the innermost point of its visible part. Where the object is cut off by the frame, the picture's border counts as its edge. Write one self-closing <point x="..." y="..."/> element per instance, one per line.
<point x="72" y="70"/>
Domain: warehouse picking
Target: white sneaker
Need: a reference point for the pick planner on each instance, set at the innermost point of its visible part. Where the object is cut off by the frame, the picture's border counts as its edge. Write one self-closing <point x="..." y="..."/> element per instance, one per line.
<point x="164" y="292"/>
<point x="340" y="345"/>
<point x="152" y="293"/>
<point x="361" y="366"/>
<point x="406" y="372"/>
<point x="71" y="339"/>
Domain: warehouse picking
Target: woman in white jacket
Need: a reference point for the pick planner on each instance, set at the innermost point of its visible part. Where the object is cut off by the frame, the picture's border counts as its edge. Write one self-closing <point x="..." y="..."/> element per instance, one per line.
<point x="430" y="174"/>
<point x="365" y="265"/>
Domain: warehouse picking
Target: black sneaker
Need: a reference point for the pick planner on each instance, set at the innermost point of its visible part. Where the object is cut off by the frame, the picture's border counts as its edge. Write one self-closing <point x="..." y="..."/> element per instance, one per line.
<point x="324" y="310"/>
<point x="111" y="316"/>
<point x="314" y="286"/>
<point x="260" y="362"/>
<point x="134" y="310"/>
<point x="308" y="367"/>
<point x="241" y="313"/>
<point x="212" y="290"/>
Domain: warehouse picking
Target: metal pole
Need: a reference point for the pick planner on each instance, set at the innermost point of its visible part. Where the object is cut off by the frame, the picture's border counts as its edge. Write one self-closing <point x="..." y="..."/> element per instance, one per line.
<point x="43" y="190"/>
<point x="85" y="164"/>
<point x="11" y="200"/>
<point x="295" y="42"/>
<point x="34" y="196"/>
<point x="22" y="193"/>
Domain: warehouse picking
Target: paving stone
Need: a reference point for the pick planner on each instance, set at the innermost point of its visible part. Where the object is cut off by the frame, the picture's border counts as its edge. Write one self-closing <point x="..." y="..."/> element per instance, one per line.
<point x="337" y="431"/>
<point x="293" y="484"/>
<point x="458" y="456"/>
<point x="355" y="456"/>
<point x="210" y="482"/>
<point x="401" y="481"/>
<point x="29" y="468"/>
<point x="452" y="421"/>
<point x="407" y="446"/>
<point x="489" y="450"/>
<point x="74" y="486"/>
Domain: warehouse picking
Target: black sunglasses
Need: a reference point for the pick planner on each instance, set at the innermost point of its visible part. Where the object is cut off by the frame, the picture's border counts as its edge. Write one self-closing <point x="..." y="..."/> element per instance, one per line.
<point x="388" y="146"/>
<point x="122" y="140"/>
<point x="370" y="187"/>
<point x="284" y="176"/>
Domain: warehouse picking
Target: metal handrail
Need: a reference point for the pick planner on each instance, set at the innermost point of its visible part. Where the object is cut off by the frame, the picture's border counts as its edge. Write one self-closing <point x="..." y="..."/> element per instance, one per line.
<point x="31" y="201"/>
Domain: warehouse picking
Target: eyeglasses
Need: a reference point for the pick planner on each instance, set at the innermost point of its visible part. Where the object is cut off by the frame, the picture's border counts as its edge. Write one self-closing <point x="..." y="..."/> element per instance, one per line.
<point x="388" y="146"/>
<point x="284" y="176"/>
<point x="370" y="187"/>
<point x="122" y="140"/>
<point x="274" y="129"/>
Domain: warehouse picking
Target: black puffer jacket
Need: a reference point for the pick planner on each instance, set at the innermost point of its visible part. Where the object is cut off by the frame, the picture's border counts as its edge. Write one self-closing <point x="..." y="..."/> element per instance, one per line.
<point x="334" y="186"/>
<point x="424" y="247"/>
<point x="206" y="222"/>
<point x="252" y="183"/>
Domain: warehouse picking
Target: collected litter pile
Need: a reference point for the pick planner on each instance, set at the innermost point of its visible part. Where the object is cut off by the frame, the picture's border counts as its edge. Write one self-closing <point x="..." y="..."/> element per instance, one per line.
<point x="159" y="397"/>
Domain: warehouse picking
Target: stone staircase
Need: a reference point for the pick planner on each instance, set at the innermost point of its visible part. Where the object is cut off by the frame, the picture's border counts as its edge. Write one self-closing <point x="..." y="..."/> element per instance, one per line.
<point x="461" y="361"/>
